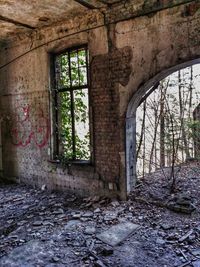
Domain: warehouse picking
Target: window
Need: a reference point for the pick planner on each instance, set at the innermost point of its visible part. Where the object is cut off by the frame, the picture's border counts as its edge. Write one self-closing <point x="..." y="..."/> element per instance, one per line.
<point x="72" y="135"/>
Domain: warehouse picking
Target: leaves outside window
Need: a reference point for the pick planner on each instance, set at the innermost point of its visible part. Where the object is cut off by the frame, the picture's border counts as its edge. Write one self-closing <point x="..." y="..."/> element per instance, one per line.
<point x="72" y="105"/>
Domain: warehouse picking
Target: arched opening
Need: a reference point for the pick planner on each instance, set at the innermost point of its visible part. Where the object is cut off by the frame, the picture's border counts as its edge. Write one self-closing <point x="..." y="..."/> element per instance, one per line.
<point x="141" y="94"/>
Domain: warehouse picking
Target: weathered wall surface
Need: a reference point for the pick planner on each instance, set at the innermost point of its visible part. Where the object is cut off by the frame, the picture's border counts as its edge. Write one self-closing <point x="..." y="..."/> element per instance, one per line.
<point x="158" y="42"/>
<point x="165" y="39"/>
<point x="26" y="109"/>
<point x="123" y="56"/>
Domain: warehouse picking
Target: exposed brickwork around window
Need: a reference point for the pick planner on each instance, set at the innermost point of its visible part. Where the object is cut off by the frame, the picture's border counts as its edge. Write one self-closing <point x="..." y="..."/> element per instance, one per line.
<point x="107" y="71"/>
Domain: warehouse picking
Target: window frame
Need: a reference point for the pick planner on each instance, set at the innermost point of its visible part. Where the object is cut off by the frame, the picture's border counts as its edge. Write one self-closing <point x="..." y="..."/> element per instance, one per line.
<point x="55" y="147"/>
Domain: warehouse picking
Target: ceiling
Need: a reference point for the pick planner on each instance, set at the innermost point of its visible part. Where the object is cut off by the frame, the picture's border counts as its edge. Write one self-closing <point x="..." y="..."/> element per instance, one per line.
<point x="24" y="15"/>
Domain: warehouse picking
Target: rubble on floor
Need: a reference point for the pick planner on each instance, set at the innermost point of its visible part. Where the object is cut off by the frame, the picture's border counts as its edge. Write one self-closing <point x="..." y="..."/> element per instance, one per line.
<point x="117" y="233"/>
<point x="38" y="228"/>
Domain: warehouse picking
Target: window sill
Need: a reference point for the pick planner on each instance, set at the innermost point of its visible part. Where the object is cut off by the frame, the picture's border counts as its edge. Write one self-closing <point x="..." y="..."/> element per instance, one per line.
<point x="74" y="165"/>
<point x="72" y="162"/>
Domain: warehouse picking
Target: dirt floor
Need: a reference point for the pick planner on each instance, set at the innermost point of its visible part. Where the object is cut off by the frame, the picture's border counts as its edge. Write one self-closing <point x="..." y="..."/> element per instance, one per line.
<point x="40" y="228"/>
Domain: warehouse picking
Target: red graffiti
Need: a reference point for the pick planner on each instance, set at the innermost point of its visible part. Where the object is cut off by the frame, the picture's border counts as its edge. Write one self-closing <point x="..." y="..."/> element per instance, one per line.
<point x="30" y="125"/>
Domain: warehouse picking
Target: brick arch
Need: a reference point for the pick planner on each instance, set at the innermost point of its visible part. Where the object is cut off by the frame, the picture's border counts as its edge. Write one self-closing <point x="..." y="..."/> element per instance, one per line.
<point x="131" y="119"/>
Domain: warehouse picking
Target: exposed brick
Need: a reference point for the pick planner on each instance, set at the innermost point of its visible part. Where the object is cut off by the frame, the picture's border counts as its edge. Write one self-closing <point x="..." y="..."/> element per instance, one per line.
<point x="108" y="70"/>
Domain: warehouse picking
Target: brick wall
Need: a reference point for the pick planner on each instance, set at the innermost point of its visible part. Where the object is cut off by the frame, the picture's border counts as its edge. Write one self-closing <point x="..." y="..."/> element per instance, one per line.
<point x="107" y="71"/>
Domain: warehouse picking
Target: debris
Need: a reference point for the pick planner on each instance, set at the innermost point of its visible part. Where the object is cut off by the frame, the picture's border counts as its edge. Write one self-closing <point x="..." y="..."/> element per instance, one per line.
<point x="43" y="187"/>
<point x="181" y="203"/>
<point x="196" y="252"/>
<point x="37" y="223"/>
<point x="196" y="263"/>
<point x="72" y="224"/>
<point x="160" y="241"/>
<point x="115" y="203"/>
<point x="97" y="210"/>
<point x="105" y="251"/>
<point x="166" y="226"/>
<point x="59" y="211"/>
<point x="117" y="233"/>
<point x="55" y="259"/>
<point x="183" y="254"/>
<point x="99" y="263"/>
<point x="88" y="214"/>
<point x="76" y="216"/>
<point x="185" y="264"/>
<point x="54" y="231"/>
<point x="110" y="217"/>
<point x="91" y="245"/>
<point x="172" y="236"/>
<point x="90" y="230"/>
<point x="184" y="237"/>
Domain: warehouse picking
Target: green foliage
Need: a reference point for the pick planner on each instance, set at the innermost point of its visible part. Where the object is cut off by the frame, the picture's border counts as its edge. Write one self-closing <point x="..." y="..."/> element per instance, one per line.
<point x="194" y="125"/>
<point x="73" y="104"/>
<point x="194" y="129"/>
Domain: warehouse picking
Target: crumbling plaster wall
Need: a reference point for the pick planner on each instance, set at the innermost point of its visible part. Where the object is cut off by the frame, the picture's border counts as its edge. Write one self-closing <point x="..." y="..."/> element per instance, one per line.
<point x="158" y="42"/>
<point x="26" y="107"/>
<point x="123" y="57"/>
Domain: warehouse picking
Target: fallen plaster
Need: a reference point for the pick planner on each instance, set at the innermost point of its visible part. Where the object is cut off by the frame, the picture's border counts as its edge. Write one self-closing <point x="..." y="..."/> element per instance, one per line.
<point x="117" y="233"/>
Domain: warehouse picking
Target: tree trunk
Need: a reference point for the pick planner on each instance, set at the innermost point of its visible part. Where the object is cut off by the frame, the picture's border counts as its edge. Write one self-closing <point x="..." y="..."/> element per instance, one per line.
<point x="142" y="130"/>
<point x="184" y="137"/>
<point x="162" y="129"/>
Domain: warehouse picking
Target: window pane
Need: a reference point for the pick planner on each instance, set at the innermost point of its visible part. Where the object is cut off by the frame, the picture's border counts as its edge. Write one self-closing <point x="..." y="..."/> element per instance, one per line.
<point x="62" y="71"/>
<point x="82" y="136"/>
<point x="75" y="76"/>
<point x="82" y="58"/>
<point x="83" y="76"/>
<point x="74" y="59"/>
<point x="66" y="139"/>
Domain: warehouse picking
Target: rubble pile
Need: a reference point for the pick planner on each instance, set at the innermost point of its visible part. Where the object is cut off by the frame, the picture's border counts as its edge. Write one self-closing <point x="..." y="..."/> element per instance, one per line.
<point x="154" y="227"/>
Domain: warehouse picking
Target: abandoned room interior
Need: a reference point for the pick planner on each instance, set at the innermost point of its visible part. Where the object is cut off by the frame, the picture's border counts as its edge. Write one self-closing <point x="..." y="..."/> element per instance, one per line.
<point x="99" y="133"/>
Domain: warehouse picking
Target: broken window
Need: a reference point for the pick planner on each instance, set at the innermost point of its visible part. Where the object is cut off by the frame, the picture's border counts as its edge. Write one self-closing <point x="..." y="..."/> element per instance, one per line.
<point x="72" y="135"/>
